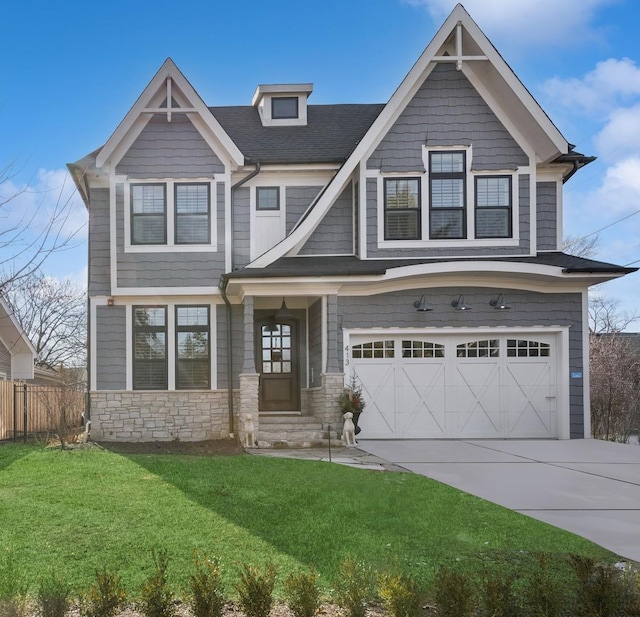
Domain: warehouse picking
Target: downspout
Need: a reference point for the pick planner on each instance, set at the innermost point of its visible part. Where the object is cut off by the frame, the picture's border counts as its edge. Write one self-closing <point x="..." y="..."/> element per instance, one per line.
<point x="222" y="285"/>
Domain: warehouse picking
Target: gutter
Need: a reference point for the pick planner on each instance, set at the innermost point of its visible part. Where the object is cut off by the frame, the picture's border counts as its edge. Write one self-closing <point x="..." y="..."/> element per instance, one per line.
<point x="222" y="285"/>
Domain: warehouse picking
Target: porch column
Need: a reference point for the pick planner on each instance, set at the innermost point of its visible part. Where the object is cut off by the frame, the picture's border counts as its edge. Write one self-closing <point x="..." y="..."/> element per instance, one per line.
<point x="249" y="378"/>
<point x="333" y="361"/>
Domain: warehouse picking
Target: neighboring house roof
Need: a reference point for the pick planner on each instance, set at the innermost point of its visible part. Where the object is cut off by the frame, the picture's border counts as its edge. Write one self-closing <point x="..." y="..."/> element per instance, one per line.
<point x="352" y="266"/>
<point x="331" y="133"/>
<point x="15" y="340"/>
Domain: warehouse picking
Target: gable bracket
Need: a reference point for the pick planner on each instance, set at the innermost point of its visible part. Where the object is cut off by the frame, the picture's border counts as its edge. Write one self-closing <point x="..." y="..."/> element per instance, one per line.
<point x="459" y="56"/>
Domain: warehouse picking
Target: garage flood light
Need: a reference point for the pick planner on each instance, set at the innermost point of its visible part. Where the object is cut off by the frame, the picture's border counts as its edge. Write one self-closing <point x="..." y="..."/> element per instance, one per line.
<point x="422" y="306"/>
<point x="499" y="303"/>
<point x="460" y="305"/>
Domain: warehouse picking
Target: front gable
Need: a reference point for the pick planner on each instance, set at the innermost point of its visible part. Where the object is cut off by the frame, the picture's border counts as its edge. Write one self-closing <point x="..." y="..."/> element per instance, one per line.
<point x="481" y="89"/>
<point x="167" y="98"/>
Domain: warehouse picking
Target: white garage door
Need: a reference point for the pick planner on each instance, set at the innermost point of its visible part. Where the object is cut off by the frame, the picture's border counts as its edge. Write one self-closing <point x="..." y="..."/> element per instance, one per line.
<point x="456" y="386"/>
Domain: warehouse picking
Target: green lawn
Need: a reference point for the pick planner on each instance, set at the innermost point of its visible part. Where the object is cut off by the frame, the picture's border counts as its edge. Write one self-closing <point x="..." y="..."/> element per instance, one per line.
<point x="76" y="511"/>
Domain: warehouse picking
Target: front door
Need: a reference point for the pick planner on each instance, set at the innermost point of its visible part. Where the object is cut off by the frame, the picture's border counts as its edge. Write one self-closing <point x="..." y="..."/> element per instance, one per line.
<point x="278" y="365"/>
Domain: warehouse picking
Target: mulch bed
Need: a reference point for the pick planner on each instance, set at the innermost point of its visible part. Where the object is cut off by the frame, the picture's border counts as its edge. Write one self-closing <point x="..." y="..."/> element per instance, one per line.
<point x="211" y="447"/>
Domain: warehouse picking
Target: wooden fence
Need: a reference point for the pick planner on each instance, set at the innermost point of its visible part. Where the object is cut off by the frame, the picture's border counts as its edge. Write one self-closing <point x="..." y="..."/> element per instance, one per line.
<point x="27" y="409"/>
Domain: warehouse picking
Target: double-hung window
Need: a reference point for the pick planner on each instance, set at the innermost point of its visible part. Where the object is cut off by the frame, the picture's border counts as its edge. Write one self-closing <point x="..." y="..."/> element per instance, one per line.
<point x="193" y="367"/>
<point x="402" y="209"/>
<point x="193" y="211"/>
<point x="447" y="189"/>
<point x="149" y="348"/>
<point x="493" y="206"/>
<point x="148" y="214"/>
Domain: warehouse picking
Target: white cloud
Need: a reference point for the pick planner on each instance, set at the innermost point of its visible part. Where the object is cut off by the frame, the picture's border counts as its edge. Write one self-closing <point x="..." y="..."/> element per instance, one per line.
<point x="610" y="84"/>
<point x="621" y="135"/>
<point x="525" y="22"/>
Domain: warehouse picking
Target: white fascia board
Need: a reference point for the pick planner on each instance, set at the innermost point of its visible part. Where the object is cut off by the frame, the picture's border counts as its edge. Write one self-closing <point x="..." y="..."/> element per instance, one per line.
<point x="168" y="70"/>
<point x="165" y="291"/>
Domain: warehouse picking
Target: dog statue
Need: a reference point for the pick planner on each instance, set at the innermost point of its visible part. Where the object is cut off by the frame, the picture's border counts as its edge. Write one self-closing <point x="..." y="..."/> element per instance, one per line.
<point x="249" y="438"/>
<point x="348" y="430"/>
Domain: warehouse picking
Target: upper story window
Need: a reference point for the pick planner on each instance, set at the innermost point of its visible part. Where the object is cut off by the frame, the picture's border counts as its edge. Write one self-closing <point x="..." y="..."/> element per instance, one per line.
<point x="284" y="107"/>
<point x="402" y="208"/>
<point x="148" y="214"/>
<point x="193" y="209"/>
<point x="177" y="215"/>
<point x="447" y="190"/>
<point x="493" y="207"/>
<point x="149" y="348"/>
<point x="268" y="198"/>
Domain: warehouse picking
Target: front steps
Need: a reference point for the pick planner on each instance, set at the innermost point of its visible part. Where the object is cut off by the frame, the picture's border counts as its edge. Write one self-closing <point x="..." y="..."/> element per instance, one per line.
<point x="290" y="430"/>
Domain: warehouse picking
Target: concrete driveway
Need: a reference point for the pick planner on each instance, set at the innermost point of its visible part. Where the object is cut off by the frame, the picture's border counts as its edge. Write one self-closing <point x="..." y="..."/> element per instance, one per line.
<point x="586" y="486"/>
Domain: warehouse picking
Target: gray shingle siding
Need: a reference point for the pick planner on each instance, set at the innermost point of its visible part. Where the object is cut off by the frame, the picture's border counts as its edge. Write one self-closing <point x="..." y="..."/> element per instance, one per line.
<point x="111" y="348"/>
<point x="170" y="150"/>
<point x="374" y="252"/>
<point x="99" y="255"/>
<point x="395" y="310"/>
<point x="298" y="199"/>
<point x="547" y="216"/>
<point x="241" y="225"/>
<point x="446" y="111"/>
<point x="334" y="235"/>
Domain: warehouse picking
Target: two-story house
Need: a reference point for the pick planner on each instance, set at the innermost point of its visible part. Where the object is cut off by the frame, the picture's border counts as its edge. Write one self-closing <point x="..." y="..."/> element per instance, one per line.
<point x="251" y="259"/>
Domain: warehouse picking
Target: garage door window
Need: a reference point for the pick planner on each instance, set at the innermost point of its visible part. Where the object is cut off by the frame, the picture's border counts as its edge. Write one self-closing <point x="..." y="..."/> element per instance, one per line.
<point x="519" y="348"/>
<point x="479" y="349"/>
<point x="422" y="349"/>
<point x="374" y="349"/>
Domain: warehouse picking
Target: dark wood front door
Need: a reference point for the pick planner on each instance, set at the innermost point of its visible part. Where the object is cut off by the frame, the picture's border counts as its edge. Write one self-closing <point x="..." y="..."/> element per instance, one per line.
<point x="278" y="365"/>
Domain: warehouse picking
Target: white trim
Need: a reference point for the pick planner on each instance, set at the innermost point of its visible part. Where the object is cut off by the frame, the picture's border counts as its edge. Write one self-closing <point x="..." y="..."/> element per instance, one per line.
<point x="362" y="207"/>
<point x="559" y="214"/>
<point x="129" y="344"/>
<point x="586" y="366"/>
<point x="562" y="359"/>
<point x="228" y="233"/>
<point x="167" y="291"/>
<point x="533" y="210"/>
<point x="113" y="229"/>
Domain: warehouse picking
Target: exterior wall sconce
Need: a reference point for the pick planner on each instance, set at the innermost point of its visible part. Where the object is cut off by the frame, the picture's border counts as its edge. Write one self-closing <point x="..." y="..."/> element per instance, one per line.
<point x="499" y="303"/>
<point x="460" y="305"/>
<point x="283" y="312"/>
<point x="110" y="301"/>
<point x="422" y="306"/>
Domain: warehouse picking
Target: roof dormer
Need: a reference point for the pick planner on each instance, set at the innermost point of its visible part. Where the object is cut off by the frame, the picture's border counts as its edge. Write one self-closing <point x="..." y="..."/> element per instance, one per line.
<point x="282" y="104"/>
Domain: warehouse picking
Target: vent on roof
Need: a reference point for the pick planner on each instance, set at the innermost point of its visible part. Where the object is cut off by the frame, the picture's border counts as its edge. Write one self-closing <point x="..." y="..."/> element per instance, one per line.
<point x="282" y="104"/>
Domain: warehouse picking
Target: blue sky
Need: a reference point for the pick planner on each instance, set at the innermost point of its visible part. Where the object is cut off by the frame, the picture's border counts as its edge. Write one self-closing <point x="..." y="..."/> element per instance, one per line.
<point x="71" y="71"/>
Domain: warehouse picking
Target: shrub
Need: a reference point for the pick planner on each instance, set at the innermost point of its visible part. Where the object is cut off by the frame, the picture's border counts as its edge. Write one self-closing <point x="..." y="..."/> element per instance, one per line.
<point x="454" y="594"/>
<point x="354" y="586"/>
<point x="53" y="597"/>
<point x="105" y="597"/>
<point x="544" y="595"/>
<point x="255" y="589"/>
<point x="302" y="593"/>
<point x="498" y="595"/>
<point x="399" y="595"/>
<point x="156" y="599"/>
<point x="603" y="590"/>
<point x="205" y="594"/>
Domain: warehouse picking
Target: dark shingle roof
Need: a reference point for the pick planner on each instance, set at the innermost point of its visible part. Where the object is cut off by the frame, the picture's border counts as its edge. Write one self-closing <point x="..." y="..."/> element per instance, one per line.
<point x="331" y="133"/>
<point x="352" y="266"/>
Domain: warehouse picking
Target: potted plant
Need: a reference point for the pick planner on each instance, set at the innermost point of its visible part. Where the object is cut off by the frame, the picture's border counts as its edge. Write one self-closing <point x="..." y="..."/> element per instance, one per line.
<point x="351" y="399"/>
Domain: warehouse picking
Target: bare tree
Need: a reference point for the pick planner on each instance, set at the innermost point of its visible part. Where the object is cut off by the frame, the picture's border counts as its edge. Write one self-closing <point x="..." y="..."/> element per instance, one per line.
<point x="29" y="235"/>
<point x="615" y="386"/>
<point x="581" y="246"/>
<point x="605" y="315"/>
<point x="53" y="314"/>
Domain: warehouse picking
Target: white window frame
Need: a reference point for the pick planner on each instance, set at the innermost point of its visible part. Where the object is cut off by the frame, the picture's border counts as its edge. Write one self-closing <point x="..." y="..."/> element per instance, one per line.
<point x="170" y="305"/>
<point x="471" y="175"/>
<point x="171" y="246"/>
